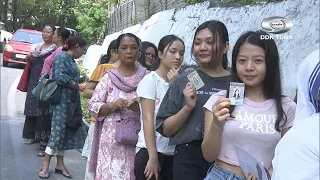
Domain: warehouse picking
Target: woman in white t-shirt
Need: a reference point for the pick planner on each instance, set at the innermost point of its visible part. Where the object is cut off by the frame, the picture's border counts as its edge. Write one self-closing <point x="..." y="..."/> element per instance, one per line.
<point x="257" y="125"/>
<point x="154" y="156"/>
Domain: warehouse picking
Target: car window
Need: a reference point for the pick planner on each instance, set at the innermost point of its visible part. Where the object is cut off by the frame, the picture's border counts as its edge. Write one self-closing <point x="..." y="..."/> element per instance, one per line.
<point x="27" y="37"/>
<point x="3" y="27"/>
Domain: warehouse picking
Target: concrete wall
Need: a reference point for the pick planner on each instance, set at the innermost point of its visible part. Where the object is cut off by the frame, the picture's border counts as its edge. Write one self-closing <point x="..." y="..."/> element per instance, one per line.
<point x="303" y="13"/>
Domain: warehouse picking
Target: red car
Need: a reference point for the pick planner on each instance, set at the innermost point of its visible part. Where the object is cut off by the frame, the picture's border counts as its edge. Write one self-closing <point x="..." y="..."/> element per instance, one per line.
<point x="19" y="46"/>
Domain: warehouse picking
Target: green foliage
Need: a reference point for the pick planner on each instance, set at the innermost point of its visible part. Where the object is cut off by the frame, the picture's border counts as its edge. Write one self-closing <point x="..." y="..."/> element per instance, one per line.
<point x="190" y="2"/>
<point x="84" y="101"/>
<point x="92" y="18"/>
<point x="134" y="21"/>
<point x="88" y="17"/>
<point x="83" y="71"/>
<point x="34" y="14"/>
<point x="84" y="107"/>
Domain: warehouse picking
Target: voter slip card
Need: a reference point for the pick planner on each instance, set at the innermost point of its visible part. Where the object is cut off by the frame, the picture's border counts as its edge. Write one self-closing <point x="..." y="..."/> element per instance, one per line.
<point x="195" y="79"/>
<point x="236" y="93"/>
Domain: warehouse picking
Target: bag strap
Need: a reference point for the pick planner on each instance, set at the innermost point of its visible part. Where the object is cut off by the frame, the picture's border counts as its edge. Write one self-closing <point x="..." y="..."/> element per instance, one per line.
<point x="116" y="97"/>
<point x="75" y="93"/>
<point x="51" y="66"/>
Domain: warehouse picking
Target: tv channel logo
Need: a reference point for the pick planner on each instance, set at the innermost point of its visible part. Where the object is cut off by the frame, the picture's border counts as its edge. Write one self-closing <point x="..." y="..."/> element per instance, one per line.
<point x="277" y="25"/>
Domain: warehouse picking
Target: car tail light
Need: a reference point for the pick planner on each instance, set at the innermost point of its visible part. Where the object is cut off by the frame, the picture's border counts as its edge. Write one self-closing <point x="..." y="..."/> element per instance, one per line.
<point x="8" y="48"/>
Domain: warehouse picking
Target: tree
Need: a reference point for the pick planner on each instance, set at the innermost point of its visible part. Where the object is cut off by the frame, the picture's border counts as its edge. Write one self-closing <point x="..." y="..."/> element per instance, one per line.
<point x="34" y="14"/>
<point x="92" y="18"/>
<point x="4" y="10"/>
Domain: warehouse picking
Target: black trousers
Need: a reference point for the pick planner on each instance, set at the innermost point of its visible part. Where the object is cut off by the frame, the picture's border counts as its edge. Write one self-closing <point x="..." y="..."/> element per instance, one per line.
<point x="189" y="163"/>
<point x="141" y="161"/>
<point x="29" y="128"/>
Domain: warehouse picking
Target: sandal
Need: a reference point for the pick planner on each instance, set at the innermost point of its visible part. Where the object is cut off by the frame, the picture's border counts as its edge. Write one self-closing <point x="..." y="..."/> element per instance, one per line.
<point x="46" y="174"/>
<point x="29" y="141"/>
<point x="63" y="172"/>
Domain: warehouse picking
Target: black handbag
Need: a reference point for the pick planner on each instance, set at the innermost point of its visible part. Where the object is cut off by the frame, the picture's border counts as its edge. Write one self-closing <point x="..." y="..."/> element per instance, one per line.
<point x="40" y="86"/>
<point x="51" y="92"/>
<point x="47" y="90"/>
<point x="74" y="113"/>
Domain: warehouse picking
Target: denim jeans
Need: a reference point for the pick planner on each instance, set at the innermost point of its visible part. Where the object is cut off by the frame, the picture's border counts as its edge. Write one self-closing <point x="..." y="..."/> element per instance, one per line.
<point x="216" y="172"/>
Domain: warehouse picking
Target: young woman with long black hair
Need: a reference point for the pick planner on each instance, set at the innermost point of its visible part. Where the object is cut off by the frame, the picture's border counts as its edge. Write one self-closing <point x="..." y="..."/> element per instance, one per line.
<point x="181" y="109"/>
<point x="257" y="125"/>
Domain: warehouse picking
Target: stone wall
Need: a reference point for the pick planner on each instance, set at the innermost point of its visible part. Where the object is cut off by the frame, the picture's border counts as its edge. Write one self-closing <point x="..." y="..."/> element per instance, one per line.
<point x="303" y="13"/>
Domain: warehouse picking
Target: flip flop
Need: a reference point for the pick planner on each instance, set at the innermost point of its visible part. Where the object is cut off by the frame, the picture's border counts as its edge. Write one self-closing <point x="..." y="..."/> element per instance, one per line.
<point x="63" y="172"/>
<point x="46" y="173"/>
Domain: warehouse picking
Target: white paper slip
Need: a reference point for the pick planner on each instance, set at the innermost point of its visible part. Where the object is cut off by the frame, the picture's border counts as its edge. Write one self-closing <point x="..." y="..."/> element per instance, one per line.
<point x="195" y="79"/>
<point x="249" y="164"/>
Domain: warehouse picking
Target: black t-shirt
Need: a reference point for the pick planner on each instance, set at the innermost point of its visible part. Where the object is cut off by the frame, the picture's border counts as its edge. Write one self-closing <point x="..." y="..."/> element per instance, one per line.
<point x="174" y="101"/>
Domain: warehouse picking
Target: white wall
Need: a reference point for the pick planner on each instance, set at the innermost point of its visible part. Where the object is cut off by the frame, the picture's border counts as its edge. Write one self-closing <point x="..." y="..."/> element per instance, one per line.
<point x="303" y="13"/>
<point x="92" y="57"/>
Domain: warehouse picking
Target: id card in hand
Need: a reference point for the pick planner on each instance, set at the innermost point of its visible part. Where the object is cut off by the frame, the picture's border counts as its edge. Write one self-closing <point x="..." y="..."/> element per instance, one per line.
<point x="195" y="79"/>
<point x="236" y="93"/>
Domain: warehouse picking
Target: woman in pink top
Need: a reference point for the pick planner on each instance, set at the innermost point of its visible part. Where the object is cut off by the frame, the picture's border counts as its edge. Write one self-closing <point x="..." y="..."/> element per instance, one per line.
<point x="59" y="37"/>
<point x="257" y="125"/>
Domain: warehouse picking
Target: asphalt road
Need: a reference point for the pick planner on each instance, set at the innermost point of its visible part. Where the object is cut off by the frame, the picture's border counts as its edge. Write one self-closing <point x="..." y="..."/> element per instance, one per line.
<point x="20" y="161"/>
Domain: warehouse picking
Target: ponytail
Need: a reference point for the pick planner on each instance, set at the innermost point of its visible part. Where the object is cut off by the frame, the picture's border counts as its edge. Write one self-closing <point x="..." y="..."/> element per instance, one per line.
<point x="72" y="41"/>
<point x="65" y="47"/>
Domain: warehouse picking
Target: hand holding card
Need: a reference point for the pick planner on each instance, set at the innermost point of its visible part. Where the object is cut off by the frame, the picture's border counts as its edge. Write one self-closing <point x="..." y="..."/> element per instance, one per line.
<point x="220" y="112"/>
<point x="195" y="79"/>
<point x="189" y="93"/>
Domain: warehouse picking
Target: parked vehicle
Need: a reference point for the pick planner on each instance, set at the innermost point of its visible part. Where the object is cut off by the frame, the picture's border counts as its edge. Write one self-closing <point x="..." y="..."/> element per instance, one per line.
<point x="17" y="49"/>
<point x="72" y="31"/>
<point x="5" y="36"/>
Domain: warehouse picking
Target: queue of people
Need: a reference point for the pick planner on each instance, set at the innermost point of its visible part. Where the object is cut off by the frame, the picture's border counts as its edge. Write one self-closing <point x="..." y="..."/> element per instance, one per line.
<point x="151" y="121"/>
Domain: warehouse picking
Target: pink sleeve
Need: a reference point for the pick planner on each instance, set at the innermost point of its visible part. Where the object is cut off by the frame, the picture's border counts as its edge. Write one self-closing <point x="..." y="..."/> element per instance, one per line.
<point x="46" y="65"/>
<point x="99" y="96"/>
<point x="213" y="99"/>
<point x="49" y="60"/>
<point x="289" y="109"/>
